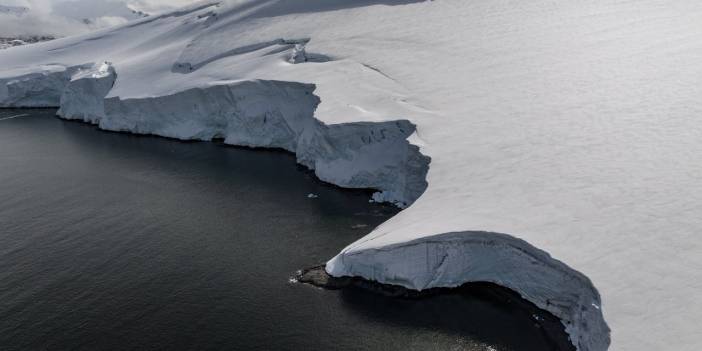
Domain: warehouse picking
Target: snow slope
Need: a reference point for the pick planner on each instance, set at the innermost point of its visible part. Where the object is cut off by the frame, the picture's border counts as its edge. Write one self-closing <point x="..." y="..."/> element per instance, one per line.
<point x="565" y="146"/>
<point x="13" y="10"/>
<point x="59" y="18"/>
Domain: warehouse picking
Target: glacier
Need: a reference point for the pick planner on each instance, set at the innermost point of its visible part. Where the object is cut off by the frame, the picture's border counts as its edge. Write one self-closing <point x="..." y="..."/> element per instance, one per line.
<point x="551" y="148"/>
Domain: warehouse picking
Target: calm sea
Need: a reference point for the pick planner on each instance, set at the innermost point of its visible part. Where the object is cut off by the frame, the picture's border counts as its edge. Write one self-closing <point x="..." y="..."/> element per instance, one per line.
<point x="112" y="241"/>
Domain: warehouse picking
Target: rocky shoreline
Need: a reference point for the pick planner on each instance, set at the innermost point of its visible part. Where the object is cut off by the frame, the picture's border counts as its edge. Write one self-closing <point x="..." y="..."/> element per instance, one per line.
<point x="545" y="322"/>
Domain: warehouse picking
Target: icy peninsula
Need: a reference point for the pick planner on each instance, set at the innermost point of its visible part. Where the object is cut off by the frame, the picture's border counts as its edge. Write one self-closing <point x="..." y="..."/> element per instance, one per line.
<point x="551" y="147"/>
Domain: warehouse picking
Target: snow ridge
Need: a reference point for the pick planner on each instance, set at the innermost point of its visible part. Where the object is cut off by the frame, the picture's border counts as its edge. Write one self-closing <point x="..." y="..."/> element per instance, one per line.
<point x="191" y="60"/>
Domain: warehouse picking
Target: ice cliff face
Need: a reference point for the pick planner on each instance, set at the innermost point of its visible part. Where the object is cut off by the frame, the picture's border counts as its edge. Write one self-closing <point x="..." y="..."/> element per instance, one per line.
<point x="40" y="89"/>
<point x="451" y="259"/>
<point x="271" y="114"/>
<point x="277" y="114"/>
<point x="84" y="94"/>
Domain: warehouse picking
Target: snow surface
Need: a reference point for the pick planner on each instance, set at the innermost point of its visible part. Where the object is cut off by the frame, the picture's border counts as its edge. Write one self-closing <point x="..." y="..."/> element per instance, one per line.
<point x="565" y="146"/>
<point x="13" y="10"/>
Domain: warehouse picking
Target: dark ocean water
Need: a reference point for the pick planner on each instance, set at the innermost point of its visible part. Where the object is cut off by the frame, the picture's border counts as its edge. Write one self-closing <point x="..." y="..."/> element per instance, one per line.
<point x="117" y="242"/>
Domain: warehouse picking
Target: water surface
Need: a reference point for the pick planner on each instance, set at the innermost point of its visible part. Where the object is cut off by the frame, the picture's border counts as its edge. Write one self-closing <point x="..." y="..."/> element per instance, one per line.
<point x="114" y="241"/>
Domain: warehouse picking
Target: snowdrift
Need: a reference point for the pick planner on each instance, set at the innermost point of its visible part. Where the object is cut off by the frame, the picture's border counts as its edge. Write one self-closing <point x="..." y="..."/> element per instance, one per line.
<point x="552" y="148"/>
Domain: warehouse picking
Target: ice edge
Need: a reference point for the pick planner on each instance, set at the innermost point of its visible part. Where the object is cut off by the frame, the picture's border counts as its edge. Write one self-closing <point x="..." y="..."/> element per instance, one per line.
<point x="452" y="259"/>
<point x="356" y="155"/>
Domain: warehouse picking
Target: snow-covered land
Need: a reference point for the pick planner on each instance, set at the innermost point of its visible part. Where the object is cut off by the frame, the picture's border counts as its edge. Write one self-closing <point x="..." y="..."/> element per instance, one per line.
<point x="13" y="10"/>
<point x="47" y="19"/>
<point x="6" y="43"/>
<point x="551" y="147"/>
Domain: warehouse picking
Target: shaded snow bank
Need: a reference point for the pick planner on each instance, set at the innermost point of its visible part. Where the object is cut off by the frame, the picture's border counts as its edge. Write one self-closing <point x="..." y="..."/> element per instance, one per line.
<point x="452" y="259"/>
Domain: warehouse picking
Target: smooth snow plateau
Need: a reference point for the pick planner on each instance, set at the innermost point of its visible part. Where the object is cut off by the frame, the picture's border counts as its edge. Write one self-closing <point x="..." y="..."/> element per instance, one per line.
<point x="564" y="137"/>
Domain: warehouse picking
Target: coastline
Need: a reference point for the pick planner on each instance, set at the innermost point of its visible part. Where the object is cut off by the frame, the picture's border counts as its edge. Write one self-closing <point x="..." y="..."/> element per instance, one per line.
<point x="548" y="324"/>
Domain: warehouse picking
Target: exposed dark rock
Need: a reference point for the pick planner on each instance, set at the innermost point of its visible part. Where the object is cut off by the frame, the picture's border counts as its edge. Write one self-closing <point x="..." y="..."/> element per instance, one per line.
<point x="549" y="324"/>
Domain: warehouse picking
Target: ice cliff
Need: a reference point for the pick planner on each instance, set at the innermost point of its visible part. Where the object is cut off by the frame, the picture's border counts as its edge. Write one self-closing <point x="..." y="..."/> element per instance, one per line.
<point x="552" y="148"/>
<point x="260" y="113"/>
<point x="451" y="259"/>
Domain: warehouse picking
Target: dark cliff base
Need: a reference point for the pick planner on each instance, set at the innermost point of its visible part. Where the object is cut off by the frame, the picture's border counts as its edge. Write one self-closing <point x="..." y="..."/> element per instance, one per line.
<point x="548" y="324"/>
